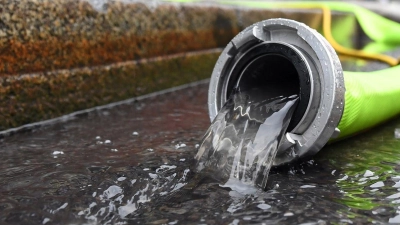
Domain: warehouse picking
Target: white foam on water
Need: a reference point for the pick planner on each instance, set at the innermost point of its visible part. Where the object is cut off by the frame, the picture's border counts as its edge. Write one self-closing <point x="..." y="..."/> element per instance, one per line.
<point x="111" y="192"/>
<point x="114" y="203"/>
<point x="377" y="184"/>
<point x="368" y="173"/>
<point x="59" y="208"/>
<point x="263" y="206"/>
<point x="307" y="186"/>
<point x="164" y="168"/>
<point x="181" y="145"/>
<point x="45" y="220"/>
<point x="343" y="178"/>
<point x="121" y="178"/>
<point x="288" y="214"/>
<point x="397" y="133"/>
<point x="240" y="187"/>
<point x="393" y="196"/>
<point x="395" y="219"/>
<point x="58" y="153"/>
<point x="235" y="222"/>
<point x="397" y="184"/>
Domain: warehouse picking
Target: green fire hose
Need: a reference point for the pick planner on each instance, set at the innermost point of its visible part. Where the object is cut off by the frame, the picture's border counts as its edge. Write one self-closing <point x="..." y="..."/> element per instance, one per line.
<point x="371" y="98"/>
<point x="340" y="104"/>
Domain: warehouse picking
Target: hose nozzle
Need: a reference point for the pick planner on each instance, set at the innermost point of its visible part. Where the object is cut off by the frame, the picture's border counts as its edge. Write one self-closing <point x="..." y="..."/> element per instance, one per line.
<point x="298" y="60"/>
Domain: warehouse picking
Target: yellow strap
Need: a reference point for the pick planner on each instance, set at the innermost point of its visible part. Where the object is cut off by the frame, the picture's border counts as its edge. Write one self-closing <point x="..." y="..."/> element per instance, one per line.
<point x="326" y="27"/>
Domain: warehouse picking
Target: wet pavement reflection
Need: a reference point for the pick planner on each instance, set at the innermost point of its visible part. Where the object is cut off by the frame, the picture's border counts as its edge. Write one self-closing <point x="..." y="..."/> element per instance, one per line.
<point x="132" y="164"/>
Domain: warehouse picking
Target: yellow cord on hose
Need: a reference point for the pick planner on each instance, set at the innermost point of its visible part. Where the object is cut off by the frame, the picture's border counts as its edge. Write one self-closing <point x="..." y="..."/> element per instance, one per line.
<point x="326" y="27"/>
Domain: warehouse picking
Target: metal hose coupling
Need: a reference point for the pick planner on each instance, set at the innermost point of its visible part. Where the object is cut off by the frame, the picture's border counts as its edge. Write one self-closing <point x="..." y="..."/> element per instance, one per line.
<point x="290" y="55"/>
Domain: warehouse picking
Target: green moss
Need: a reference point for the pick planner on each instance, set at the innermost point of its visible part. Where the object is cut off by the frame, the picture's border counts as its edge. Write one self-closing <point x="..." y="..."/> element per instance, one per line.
<point x="45" y="96"/>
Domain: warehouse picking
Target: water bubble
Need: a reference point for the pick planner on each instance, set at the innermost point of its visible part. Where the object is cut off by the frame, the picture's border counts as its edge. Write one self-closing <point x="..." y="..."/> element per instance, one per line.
<point x="114" y="150"/>
<point x="107" y="142"/>
<point x="374" y="178"/>
<point x="263" y="206"/>
<point x="396" y="185"/>
<point x="135" y="133"/>
<point x="58" y="153"/>
<point x="247" y="218"/>
<point x="397" y="133"/>
<point x="377" y="184"/>
<point x="343" y="178"/>
<point x="368" y="173"/>
<point x="59" y="208"/>
<point x="288" y="214"/>
<point x="98" y="137"/>
<point x="178" y="146"/>
<point x="307" y="186"/>
<point x="395" y="219"/>
<point x="111" y="192"/>
<point x="121" y="178"/>
<point x="393" y="196"/>
<point x="346" y="221"/>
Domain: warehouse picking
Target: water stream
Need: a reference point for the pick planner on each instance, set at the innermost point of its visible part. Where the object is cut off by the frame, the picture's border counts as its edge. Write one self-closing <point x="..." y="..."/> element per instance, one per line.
<point x="242" y="141"/>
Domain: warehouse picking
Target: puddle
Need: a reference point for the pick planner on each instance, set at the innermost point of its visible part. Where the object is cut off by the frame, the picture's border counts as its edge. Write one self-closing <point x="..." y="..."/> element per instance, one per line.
<point x="131" y="164"/>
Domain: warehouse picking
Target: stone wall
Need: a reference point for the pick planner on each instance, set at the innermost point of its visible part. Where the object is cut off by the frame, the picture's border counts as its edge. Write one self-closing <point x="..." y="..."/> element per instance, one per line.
<point x="60" y="56"/>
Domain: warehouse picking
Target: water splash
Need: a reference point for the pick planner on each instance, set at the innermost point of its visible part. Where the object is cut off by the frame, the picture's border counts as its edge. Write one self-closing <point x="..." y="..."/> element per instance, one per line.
<point x="243" y="139"/>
